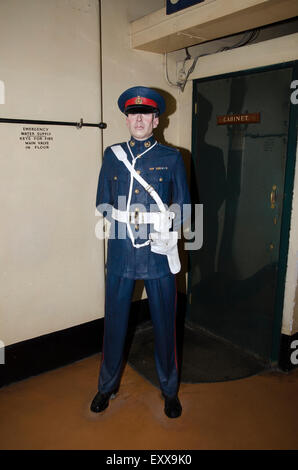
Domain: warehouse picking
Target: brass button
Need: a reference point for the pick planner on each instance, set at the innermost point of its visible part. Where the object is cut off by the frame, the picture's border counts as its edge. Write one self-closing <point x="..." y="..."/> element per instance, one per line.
<point x="139" y="172"/>
<point x="115" y="178"/>
<point x="136" y="227"/>
<point x="147" y="144"/>
<point x="132" y="143"/>
<point x="160" y="179"/>
<point x="137" y="191"/>
<point x="139" y="155"/>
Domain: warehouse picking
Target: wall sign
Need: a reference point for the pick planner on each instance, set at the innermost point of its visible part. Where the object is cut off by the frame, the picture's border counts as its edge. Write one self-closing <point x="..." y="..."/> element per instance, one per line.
<point x="36" y="138"/>
<point x="176" y="5"/>
<point x="239" y="118"/>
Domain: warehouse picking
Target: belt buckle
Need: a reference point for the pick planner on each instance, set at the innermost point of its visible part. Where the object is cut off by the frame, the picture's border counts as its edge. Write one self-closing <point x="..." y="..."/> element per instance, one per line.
<point x="136" y="214"/>
<point x="149" y="189"/>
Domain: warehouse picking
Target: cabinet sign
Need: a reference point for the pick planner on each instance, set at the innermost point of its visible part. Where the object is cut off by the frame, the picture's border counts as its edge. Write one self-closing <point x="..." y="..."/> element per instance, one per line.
<point x="239" y="118"/>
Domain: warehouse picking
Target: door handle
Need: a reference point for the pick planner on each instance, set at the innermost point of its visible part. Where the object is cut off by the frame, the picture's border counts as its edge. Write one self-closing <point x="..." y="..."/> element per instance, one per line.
<point x="273" y="196"/>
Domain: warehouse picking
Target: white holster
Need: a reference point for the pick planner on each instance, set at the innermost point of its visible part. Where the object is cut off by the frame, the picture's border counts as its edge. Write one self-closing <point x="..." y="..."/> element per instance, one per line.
<point x="163" y="241"/>
<point x="166" y="243"/>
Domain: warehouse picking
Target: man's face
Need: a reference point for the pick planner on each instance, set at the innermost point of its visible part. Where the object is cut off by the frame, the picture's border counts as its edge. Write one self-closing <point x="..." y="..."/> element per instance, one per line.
<point x="141" y="125"/>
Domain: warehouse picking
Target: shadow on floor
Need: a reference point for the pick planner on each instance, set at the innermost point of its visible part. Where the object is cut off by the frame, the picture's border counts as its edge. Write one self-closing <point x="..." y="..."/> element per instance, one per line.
<point x="202" y="356"/>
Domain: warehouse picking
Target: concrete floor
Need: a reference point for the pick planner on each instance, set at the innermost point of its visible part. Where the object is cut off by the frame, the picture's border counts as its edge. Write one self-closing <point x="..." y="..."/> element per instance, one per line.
<point x="51" y="411"/>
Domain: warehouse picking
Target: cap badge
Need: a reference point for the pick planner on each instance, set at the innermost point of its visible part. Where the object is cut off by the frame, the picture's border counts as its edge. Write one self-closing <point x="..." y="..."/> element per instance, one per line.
<point x="139" y="100"/>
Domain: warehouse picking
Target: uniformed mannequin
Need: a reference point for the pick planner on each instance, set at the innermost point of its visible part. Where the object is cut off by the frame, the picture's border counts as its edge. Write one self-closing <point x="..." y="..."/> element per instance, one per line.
<point x="130" y="256"/>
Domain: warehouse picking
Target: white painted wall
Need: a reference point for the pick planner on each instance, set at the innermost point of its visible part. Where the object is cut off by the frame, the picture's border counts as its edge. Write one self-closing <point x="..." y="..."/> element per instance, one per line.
<point x="124" y="67"/>
<point x="51" y="274"/>
<point x="290" y="313"/>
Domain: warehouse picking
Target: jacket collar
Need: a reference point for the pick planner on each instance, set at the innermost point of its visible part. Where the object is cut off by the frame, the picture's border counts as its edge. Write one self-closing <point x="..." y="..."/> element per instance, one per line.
<point x="139" y="146"/>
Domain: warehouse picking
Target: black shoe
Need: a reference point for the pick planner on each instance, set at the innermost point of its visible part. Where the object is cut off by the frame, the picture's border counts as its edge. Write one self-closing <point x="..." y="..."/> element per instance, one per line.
<point x="101" y="401"/>
<point x="173" y="408"/>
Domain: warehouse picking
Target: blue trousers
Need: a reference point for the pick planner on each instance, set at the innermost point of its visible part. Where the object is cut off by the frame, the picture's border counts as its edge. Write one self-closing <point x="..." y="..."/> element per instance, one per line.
<point x="162" y="297"/>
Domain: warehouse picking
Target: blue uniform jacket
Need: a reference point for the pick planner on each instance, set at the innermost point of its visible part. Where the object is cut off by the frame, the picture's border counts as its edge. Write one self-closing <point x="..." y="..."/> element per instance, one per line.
<point x="163" y="168"/>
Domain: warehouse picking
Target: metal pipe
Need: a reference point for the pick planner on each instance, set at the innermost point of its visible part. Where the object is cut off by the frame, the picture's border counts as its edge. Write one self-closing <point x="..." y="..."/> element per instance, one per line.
<point x="78" y="125"/>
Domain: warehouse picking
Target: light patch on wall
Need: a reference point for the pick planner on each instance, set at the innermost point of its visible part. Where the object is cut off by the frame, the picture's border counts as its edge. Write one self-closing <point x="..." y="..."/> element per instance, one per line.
<point x="294" y="94"/>
<point x="295" y="314"/>
<point x="2" y="352"/>
<point x="293" y="321"/>
<point x="80" y="5"/>
<point x="2" y="92"/>
<point x="138" y="9"/>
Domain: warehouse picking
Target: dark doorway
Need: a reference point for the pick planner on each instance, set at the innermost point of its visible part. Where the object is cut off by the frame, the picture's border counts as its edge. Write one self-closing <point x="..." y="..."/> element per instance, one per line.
<point x="242" y="173"/>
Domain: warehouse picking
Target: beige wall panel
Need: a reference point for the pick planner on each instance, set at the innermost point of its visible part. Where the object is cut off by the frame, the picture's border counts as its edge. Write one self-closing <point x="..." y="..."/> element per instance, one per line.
<point x="290" y="315"/>
<point x="124" y="67"/>
<point x="295" y="317"/>
<point x="51" y="274"/>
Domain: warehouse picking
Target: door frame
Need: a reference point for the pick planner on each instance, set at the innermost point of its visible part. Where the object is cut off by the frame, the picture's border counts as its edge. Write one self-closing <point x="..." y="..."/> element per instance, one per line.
<point x="287" y="195"/>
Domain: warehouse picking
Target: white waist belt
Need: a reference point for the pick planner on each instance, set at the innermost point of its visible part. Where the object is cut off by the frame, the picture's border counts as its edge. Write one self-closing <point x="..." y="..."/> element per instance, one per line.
<point x="158" y="219"/>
